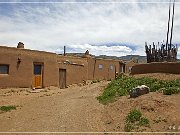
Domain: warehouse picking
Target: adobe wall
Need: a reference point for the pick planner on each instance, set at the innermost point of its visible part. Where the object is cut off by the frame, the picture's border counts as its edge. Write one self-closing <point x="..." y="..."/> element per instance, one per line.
<point x="91" y="63"/>
<point x="170" y="67"/>
<point x="76" y="68"/>
<point x="95" y="73"/>
<point x="129" y="66"/>
<point x="21" y="75"/>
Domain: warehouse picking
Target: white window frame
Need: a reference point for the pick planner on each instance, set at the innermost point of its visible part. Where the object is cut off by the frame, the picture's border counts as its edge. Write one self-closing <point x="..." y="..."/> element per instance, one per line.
<point x="111" y="67"/>
<point x="100" y="66"/>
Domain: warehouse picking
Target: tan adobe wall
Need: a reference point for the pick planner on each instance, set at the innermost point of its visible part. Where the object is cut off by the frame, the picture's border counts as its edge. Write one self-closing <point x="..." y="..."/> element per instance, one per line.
<point x="94" y="72"/>
<point x="129" y="66"/>
<point x="172" y="67"/>
<point x="91" y="63"/>
<point x="22" y="75"/>
<point x="76" y="68"/>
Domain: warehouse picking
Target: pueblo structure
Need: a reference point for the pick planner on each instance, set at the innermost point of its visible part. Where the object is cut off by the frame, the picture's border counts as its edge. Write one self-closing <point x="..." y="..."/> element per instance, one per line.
<point x="21" y="67"/>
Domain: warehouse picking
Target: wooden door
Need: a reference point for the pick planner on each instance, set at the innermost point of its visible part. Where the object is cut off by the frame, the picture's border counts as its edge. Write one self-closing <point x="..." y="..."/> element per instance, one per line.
<point x="62" y="78"/>
<point x="37" y="78"/>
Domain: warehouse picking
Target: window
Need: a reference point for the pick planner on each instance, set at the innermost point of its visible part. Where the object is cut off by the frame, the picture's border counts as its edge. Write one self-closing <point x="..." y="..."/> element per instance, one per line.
<point x="4" y="69"/>
<point x="111" y="67"/>
<point x="100" y="66"/>
<point x="37" y="69"/>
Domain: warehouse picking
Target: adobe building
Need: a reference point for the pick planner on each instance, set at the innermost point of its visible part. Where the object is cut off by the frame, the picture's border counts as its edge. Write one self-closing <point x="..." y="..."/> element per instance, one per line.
<point x="103" y="69"/>
<point x="129" y="65"/>
<point x="21" y="67"/>
<point x="71" y="70"/>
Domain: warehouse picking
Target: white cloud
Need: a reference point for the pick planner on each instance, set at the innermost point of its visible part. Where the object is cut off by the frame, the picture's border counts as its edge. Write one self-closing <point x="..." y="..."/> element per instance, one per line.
<point x="79" y="25"/>
<point x="97" y="50"/>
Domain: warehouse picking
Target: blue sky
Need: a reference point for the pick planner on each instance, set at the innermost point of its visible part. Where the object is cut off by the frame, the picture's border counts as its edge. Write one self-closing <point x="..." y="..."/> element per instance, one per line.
<point x="102" y="27"/>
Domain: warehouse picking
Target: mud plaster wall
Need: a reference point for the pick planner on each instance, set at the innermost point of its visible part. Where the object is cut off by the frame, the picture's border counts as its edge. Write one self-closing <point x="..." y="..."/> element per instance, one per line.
<point x="129" y="66"/>
<point x="78" y="70"/>
<point x="21" y="75"/>
<point x="76" y="73"/>
<point x="172" y="67"/>
<point x="94" y="72"/>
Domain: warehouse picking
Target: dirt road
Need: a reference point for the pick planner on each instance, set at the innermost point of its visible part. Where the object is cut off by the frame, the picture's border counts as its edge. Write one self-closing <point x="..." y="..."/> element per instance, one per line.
<point x="53" y="109"/>
<point x="76" y="109"/>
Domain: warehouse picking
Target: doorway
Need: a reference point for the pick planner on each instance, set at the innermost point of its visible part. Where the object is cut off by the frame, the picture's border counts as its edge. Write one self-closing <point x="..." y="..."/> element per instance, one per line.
<point x="62" y="78"/>
<point x="37" y="77"/>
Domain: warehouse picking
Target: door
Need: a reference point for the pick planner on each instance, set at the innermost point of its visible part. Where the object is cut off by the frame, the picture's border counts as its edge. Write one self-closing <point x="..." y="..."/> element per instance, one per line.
<point x="122" y="68"/>
<point x="62" y="78"/>
<point x="37" y="78"/>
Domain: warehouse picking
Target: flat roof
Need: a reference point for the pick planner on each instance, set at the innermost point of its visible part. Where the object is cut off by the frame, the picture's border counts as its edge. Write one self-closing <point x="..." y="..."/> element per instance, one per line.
<point x="24" y="49"/>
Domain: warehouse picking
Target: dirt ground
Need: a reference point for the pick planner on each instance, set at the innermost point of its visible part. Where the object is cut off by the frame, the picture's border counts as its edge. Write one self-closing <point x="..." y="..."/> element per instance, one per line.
<point x="53" y="109"/>
<point x="162" y="111"/>
<point x="76" y="109"/>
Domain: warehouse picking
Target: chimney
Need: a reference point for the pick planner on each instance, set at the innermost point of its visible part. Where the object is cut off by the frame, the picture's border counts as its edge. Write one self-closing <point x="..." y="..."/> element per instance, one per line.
<point x="20" y="45"/>
<point x="64" y="50"/>
<point x="86" y="54"/>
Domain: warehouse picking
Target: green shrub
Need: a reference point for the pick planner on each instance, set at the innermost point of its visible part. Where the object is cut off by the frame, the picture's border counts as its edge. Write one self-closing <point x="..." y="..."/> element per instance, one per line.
<point x="7" y="108"/>
<point x="144" y="122"/>
<point x="134" y="119"/>
<point x="128" y="127"/>
<point x="133" y="116"/>
<point x="108" y="96"/>
<point x="155" y="87"/>
<point x="171" y="90"/>
<point x="121" y="92"/>
<point x="123" y="84"/>
<point x="167" y="91"/>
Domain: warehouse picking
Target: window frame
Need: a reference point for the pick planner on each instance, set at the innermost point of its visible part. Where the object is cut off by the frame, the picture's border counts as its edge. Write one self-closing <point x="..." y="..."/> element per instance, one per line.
<point x="37" y="69"/>
<point x="111" y="67"/>
<point x="100" y="66"/>
<point x="7" y="73"/>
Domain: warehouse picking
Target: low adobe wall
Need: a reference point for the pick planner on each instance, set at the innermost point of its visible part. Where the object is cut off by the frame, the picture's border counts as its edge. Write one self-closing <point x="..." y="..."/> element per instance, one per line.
<point x="163" y="67"/>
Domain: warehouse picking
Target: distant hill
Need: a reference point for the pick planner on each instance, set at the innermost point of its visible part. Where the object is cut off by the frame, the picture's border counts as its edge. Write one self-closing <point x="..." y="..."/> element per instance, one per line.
<point x="107" y="57"/>
<point x="140" y="59"/>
